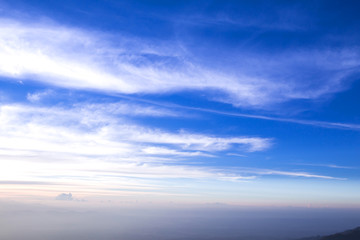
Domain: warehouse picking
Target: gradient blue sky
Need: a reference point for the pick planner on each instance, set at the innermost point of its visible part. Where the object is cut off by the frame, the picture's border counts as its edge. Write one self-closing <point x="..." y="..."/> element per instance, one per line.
<point x="238" y="102"/>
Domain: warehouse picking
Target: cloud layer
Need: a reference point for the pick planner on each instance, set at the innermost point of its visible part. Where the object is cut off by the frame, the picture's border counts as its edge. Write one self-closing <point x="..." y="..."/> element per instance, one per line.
<point x="74" y="58"/>
<point x="94" y="149"/>
<point x="56" y="129"/>
<point x="108" y="141"/>
<point x="37" y="142"/>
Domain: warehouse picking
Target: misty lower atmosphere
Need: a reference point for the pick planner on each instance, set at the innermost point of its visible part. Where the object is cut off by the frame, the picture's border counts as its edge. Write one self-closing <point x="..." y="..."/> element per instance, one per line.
<point x="210" y="221"/>
<point x="179" y="120"/>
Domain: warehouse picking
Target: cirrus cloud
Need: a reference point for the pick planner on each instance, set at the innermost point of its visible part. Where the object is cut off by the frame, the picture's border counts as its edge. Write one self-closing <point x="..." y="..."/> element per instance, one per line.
<point x="50" y="54"/>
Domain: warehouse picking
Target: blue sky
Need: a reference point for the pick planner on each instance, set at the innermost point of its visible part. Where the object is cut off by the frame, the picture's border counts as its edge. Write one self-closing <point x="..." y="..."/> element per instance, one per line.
<point x="246" y="103"/>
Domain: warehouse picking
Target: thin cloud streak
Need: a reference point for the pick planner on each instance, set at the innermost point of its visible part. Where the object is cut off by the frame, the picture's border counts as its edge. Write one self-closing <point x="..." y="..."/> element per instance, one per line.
<point x="344" y="126"/>
<point x="323" y="124"/>
<point x="326" y="165"/>
<point x="299" y="174"/>
<point x="264" y="172"/>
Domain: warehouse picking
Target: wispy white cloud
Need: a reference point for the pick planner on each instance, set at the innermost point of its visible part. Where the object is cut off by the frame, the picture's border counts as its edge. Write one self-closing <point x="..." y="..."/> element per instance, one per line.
<point x="37" y="96"/>
<point x="299" y="174"/>
<point x="93" y="147"/>
<point x="323" y="124"/>
<point x="94" y="152"/>
<point x="194" y="141"/>
<point x="173" y="152"/>
<point x="26" y="127"/>
<point x="325" y="165"/>
<point x="259" y="172"/>
<point x="337" y="166"/>
<point x="65" y="197"/>
<point x="236" y="154"/>
<point x="75" y="58"/>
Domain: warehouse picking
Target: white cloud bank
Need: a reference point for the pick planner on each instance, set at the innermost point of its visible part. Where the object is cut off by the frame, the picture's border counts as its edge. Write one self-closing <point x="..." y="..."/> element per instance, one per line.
<point x="91" y="129"/>
<point x="88" y="139"/>
<point x="89" y="150"/>
<point x="75" y="58"/>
